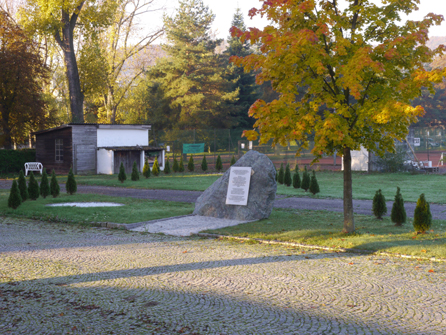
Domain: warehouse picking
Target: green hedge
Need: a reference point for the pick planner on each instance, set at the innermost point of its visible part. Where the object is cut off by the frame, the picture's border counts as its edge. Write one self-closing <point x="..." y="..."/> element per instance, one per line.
<point x="12" y="161"/>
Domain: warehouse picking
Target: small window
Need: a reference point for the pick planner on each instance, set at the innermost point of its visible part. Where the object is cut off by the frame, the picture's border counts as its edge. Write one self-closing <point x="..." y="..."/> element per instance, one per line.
<point x="59" y="150"/>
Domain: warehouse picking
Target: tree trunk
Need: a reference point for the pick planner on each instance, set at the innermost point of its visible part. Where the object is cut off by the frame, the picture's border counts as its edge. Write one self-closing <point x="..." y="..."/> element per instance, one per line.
<point x="349" y="222"/>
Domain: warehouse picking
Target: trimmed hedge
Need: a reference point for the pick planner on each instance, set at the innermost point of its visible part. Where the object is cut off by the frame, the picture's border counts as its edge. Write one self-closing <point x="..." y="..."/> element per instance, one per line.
<point x="12" y="161"/>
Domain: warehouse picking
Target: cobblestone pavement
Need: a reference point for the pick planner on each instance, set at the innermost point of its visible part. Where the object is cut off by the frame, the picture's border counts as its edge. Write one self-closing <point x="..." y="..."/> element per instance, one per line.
<point x="62" y="279"/>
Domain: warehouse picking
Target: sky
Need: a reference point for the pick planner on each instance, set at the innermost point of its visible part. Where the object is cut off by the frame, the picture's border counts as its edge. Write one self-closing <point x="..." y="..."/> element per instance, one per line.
<point x="224" y="11"/>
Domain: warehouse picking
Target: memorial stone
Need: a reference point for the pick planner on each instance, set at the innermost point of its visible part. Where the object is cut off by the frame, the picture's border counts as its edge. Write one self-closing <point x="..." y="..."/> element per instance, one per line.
<point x="216" y="202"/>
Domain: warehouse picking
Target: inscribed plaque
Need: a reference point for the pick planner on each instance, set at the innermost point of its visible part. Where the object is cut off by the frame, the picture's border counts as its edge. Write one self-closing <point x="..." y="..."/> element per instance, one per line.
<point x="238" y="186"/>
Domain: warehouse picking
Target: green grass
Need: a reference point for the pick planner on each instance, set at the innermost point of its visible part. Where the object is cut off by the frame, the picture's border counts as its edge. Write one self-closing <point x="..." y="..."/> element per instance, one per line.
<point x="323" y="228"/>
<point x="135" y="210"/>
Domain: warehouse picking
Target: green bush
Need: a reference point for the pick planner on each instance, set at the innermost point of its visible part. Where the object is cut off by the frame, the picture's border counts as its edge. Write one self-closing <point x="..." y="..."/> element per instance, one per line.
<point x="12" y="161"/>
<point x="156" y="167"/>
<point x="204" y="164"/>
<point x="305" y="184"/>
<point x="33" y="187"/>
<point x="218" y="164"/>
<point x="146" y="169"/>
<point x="44" y="185"/>
<point x="190" y="164"/>
<point x="296" y="169"/>
<point x="175" y="166"/>
<point x="14" y="199"/>
<point x="314" y="186"/>
<point x="280" y="178"/>
<point x="135" y="172"/>
<point x="398" y="214"/>
<point x="22" y="186"/>
<point x="167" y="167"/>
<point x="122" y="176"/>
<point x="71" y="185"/>
<point x="181" y="166"/>
<point x="422" y="219"/>
<point x="287" y="178"/>
<point x="296" y="180"/>
<point x="232" y="160"/>
<point x="379" y="205"/>
<point x="54" y="185"/>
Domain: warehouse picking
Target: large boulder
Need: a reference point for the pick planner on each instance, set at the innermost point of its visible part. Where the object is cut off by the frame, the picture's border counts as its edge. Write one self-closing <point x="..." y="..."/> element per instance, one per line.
<point x="262" y="192"/>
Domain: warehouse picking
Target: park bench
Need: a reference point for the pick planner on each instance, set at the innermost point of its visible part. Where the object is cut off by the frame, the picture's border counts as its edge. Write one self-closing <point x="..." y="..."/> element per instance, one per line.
<point x="33" y="166"/>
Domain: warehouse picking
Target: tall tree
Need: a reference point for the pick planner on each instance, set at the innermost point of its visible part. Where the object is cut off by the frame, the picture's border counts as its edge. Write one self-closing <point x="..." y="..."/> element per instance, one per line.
<point x="59" y="19"/>
<point x="22" y="71"/>
<point x="244" y="82"/>
<point x="193" y="76"/>
<point x="360" y="68"/>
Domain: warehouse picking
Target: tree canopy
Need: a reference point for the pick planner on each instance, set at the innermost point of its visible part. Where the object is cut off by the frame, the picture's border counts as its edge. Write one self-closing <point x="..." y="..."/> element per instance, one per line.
<point x="346" y="76"/>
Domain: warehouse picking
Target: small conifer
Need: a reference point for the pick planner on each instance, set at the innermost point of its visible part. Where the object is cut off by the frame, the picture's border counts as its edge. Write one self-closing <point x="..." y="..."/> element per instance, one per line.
<point x="146" y="169"/>
<point x="277" y="174"/>
<point x="296" y="180"/>
<point x="314" y="186"/>
<point x="379" y="205"/>
<point x="232" y="160"/>
<point x="398" y="214"/>
<point x="296" y="168"/>
<point x="122" y="176"/>
<point x="305" y="184"/>
<point x="218" y="164"/>
<point x="156" y="167"/>
<point x="181" y="165"/>
<point x="135" y="172"/>
<point x="190" y="164"/>
<point x="204" y="164"/>
<point x="175" y="167"/>
<point x="71" y="185"/>
<point x="54" y="185"/>
<point x="44" y="185"/>
<point x="422" y="219"/>
<point x="287" y="178"/>
<point x="14" y="199"/>
<point x="33" y="187"/>
<point x="167" y="167"/>
<point x="281" y="174"/>
<point x="22" y="186"/>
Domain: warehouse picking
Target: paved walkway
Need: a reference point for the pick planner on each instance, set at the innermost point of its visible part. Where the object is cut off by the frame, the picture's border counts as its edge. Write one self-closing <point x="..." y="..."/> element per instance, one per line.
<point x="60" y="279"/>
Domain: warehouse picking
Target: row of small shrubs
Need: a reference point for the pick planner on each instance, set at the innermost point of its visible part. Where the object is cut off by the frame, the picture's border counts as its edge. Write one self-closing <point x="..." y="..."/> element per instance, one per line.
<point x="21" y="192"/>
<point x="422" y="219"/>
<point x="306" y="183"/>
<point x="176" y="167"/>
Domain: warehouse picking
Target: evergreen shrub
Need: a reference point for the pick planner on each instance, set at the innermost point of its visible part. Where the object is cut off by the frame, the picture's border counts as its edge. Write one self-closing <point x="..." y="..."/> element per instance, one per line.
<point x="135" y="172"/>
<point x="181" y="165"/>
<point x="305" y="184"/>
<point x="122" y="176"/>
<point x="44" y="185"/>
<point x="175" y="167"/>
<point x="281" y="176"/>
<point x="14" y="199"/>
<point x="12" y="161"/>
<point x="167" y="167"/>
<point x="422" y="219"/>
<point x="287" y="178"/>
<point x="296" y="180"/>
<point x="146" y="169"/>
<point x="22" y="186"/>
<point x="218" y="164"/>
<point x="190" y="164"/>
<point x="156" y="167"/>
<point x="54" y="185"/>
<point x="379" y="205"/>
<point x="204" y="164"/>
<point x="71" y="185"/>
<point x="398" y="214"/>
<point x="33" y="187"/>
<point x="314" y="186"/>
<point x="232" y="160"/>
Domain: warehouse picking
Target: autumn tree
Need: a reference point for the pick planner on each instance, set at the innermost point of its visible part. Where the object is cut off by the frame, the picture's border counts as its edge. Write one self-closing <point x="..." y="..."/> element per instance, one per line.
<point x="359" y="66"/>
<point x="22" y="72"/>
<point x="193" y="76"/>
<point x="63" y="20"/>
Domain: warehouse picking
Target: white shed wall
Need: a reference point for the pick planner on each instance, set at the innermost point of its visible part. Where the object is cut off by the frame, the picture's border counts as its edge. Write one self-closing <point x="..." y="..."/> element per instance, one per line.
<point x="105" y="161"/>
<point x="360" y="160"/>
<point x="122" y="137"/>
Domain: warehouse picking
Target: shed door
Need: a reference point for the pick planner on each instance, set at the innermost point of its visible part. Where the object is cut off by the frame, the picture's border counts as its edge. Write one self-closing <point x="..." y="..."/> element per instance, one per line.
<point x="85" y="158"/>
<point x="127" y="158"/>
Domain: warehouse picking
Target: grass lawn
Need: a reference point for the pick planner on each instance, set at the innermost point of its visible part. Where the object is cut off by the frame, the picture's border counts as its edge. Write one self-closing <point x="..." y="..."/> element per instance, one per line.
<point x="323" y="228"/>
<point x="135" y="210"/>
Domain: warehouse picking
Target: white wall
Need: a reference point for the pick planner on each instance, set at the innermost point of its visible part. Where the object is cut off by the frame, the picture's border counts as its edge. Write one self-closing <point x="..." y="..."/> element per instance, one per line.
<point x="122" y="137"/>
<point x="360" y="160"/>
<point x="105" y="161"/>
<point x="141" y="161"/>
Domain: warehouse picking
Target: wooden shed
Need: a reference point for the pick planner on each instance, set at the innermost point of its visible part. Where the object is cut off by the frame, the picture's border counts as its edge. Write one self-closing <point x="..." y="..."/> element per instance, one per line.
<point x="94" y="148"/>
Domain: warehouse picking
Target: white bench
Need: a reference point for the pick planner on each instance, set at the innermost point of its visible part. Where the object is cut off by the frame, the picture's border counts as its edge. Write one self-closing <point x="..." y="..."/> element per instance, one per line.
<point x="33" y="166"/>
